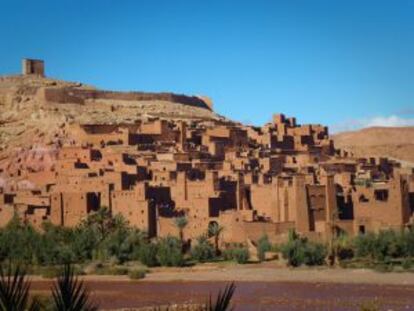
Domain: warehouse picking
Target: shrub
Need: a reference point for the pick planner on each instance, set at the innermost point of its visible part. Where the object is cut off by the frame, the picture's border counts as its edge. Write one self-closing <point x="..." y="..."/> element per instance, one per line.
<point x="293" y="251"/>
<point x="19" y="242"/>
<point x="364" y="245"/>
<point x="343" y="247"/>
<point x="240" y="254"/>
<point x="118" y="270"/>
<point x="147" y="254"/>
<point x="112" y="270"/>
<point x="137" y="274"/>
<point x="203" y="250"/>
<point x="407" y="264"/>
<point x="300" y="251"/>
<point x="169" y="252"/>
<point x="385" y="244"/>
<point x="315" y="254"/>
<point x="407" y="243"/>
<point x="263" y="246"/>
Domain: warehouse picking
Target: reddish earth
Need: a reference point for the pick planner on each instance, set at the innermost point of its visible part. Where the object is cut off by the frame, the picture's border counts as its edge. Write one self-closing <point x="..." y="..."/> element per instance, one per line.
<point x="250" y="295"/>
<point x="393" y="142"/>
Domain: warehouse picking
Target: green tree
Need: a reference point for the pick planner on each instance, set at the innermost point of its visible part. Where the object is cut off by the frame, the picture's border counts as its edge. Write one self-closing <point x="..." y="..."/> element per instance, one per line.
<point x="169" y="252"/>
<point x="181" y="222"/>
<point x="19" y="242"/>
<point x="214" y="230"/>
<point x="298" y="250"/>
<point x="203" y="250"/>
<point x="101" y="221"/>
<point x="55" y="245"/>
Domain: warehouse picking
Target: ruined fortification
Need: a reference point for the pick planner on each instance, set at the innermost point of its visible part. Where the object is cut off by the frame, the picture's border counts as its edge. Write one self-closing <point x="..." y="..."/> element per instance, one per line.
<point x="73" y="149"/>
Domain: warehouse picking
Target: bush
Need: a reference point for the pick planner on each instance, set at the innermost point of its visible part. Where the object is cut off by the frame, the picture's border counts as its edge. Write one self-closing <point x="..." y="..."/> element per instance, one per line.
<point x="240" y="254"/>
<point x="137" y="274"/>
<point x="169" y="252"/>
<point x="407" y="243"/>
<point x="386" y="244"/>
<point x="147" y="254"/>
<point x="407" y="264"/>
<point x="343" y="247"/>
<point x="118" y="271"/>
<point x="293" y="251"/>
<point x="315" y="254"/>
<point x="300" y="251"/>
<point x="111" y="270"/>
<point x="19" y="242"/>
<point x="263" y="246"/>
<point x="203" y="251"/>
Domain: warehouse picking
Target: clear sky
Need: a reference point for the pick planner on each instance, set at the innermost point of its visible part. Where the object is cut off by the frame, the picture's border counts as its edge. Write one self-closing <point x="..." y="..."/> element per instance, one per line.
<point x="341" y="63"/>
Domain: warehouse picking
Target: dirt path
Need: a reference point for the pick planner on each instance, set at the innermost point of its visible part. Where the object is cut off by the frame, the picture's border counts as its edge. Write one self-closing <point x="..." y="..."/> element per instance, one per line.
<point x="266" y="272"/>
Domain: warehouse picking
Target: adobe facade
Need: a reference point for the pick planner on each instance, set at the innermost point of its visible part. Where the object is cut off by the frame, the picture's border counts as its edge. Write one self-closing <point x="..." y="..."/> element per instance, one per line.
<point x="250" y="180"/>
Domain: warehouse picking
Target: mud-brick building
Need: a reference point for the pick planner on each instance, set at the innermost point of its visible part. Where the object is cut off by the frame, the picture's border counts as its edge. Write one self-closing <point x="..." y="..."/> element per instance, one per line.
<point x="250" y="180"/>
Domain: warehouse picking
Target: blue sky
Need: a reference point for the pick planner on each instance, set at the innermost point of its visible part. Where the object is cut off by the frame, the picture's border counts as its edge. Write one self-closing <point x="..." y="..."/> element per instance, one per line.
<point x="347" y="64"/>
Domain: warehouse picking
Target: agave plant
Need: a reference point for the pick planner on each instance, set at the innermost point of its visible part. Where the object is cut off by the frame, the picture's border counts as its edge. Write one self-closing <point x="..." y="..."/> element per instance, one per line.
<point x="223" y="299"/>
<point x="14" y="290"/>
<point x="70" y="294"/>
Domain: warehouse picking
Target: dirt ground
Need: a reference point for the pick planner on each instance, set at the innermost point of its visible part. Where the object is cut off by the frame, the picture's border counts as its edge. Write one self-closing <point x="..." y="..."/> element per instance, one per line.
<point x="259" y="287"/>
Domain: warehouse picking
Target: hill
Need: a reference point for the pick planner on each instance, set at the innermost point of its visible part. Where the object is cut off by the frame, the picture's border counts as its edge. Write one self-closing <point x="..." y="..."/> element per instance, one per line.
<point x="393" y="142"/>
<point x="40" y="111"/>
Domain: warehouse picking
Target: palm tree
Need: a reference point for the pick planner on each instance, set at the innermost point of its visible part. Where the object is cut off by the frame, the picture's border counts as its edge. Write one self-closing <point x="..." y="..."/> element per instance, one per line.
<point x="180" y="223"/>
<point x="14" y="291"/>
<point x="214" y="229"/>
<point x="70" y="294"/>
<point x="102" y="221"/>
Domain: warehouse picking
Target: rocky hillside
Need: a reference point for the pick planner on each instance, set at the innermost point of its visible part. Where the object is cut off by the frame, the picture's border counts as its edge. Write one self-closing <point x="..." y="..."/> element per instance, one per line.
<point x="393" y="142"/>
<point x="36" y="112"/>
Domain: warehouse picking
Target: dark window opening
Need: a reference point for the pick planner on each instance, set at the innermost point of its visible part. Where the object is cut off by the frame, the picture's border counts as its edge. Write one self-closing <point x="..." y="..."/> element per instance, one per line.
<point x="381" y="195"/>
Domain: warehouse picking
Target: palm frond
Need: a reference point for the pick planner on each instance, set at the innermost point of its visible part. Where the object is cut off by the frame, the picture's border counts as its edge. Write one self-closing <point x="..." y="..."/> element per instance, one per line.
<point x="223" y="299"/>
<point x="14" y="289"/>
<point x="70" y="294"/>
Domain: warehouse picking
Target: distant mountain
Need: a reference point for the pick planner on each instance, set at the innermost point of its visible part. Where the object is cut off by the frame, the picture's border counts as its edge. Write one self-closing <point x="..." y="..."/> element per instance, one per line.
<point x="393" y="142"/>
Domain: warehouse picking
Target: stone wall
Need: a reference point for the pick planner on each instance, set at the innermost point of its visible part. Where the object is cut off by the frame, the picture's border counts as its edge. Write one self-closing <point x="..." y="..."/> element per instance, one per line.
<point x="79" y="96"/>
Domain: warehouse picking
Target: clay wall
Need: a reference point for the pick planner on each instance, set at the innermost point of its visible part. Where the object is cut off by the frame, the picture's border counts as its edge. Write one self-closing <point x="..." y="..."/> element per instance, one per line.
<point x="7" y="213"/>
<point x="380" y="206"/>
<point x="132" y="207"/>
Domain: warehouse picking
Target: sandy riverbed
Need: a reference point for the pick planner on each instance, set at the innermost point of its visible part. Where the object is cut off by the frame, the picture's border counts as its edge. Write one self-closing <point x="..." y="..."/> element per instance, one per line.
<point x="259" y="287"/>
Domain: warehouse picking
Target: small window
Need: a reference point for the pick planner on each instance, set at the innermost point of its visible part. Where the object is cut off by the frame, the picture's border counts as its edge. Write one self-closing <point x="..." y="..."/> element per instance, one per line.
<point x="381" y="195"/>
<point x="363" y="199"/>
<point x="361" y="229"/>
